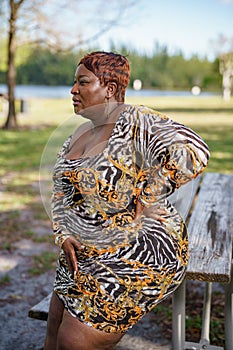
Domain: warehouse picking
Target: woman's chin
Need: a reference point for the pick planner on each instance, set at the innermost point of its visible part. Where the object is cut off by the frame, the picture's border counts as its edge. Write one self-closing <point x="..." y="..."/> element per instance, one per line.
<point x="78" y="110"/>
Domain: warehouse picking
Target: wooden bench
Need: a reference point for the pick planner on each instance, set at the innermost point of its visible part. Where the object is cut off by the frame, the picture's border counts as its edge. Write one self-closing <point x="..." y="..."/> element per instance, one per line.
<point x="210" y="240"/>
<point x="207" y="205"/>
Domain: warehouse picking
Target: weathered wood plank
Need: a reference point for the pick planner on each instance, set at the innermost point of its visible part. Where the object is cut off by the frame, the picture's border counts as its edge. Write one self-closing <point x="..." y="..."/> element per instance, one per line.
<point x="40" y="310"/>
<point x="211" y="230"/>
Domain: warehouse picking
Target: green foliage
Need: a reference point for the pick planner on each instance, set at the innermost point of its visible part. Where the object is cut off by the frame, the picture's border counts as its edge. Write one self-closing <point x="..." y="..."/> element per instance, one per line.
<point x="42" y="66"/>
<point x="6" y="246"/>
<point x="194" y="322"/>
<point x="164" y="71"/>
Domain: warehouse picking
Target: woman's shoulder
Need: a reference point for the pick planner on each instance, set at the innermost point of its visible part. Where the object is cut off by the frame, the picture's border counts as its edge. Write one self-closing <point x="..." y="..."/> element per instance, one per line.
<point x="147" y="115"/>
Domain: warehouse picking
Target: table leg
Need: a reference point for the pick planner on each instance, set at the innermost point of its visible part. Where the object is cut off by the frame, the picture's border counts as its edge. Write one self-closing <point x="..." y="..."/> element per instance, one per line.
<point x="229" y="315"/>
<point x="178" y="317"/>
<point x="205" y="330"/>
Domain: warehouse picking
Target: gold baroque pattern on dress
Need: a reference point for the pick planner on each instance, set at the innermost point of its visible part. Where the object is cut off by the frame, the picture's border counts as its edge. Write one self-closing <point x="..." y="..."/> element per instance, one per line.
<point x="125" y="268"/>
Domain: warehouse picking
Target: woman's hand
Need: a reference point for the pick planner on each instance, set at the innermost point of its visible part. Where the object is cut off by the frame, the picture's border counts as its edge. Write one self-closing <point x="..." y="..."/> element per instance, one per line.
<point x="154" y="212"/>
<point x="69" y="246"/>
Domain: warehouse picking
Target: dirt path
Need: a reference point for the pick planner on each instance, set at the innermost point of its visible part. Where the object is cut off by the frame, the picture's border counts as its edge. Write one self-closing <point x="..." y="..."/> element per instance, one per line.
<point x="17" y="331"/>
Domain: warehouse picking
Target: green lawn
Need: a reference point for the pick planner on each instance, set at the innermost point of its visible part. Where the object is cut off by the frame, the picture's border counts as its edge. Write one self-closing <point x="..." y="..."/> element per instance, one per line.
<point x="211" y="117"/>
<point x="21" y="151"/>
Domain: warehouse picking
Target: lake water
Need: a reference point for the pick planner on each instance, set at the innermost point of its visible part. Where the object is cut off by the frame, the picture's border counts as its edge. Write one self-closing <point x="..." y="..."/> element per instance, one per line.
<point x="26" y="91"/>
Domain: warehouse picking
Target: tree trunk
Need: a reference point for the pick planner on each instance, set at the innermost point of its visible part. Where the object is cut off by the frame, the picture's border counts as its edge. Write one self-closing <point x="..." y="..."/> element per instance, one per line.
<point x="226" y="83"/>
<point x="11" y="122"/>
<point x="226" y="69"/>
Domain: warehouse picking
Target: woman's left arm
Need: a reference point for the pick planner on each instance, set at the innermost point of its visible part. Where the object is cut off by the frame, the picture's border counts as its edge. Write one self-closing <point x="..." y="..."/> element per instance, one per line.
<point x="174" y="155"/>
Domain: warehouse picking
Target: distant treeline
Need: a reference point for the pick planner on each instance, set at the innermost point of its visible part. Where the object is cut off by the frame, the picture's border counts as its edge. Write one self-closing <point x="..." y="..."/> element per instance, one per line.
<point x="159" y="70"/>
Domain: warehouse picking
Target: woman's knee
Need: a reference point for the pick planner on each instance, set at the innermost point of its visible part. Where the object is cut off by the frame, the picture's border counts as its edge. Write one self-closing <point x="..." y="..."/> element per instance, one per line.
<point x="70" y="335"/>
<point x="74" y="335"/>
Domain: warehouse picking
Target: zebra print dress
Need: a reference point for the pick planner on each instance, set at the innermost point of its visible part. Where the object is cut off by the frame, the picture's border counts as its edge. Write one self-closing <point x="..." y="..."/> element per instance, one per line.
<point x="125" y="268"/>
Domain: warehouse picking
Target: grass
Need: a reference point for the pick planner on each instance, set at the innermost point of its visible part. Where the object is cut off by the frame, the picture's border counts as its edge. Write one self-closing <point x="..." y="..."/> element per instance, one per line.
<point x="4" y="280"/>
<point x="21" y="150"/>
<point x="42" y="263"/>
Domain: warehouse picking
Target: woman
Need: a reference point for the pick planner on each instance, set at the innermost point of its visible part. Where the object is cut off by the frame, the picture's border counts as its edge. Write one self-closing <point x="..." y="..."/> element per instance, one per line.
<point x="123" y="247"/>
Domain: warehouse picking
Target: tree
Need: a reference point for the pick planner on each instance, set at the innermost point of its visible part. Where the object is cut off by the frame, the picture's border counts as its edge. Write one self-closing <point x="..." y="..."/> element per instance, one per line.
<point x="39" y="21"/>
<point x="225" y="54"/>
<point x="226" y="69"/>
<point x="11" y="71"/>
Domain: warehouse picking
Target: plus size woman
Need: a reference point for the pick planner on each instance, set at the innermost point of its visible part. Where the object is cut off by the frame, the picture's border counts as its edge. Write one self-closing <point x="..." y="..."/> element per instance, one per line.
<point x="123" y="246"/>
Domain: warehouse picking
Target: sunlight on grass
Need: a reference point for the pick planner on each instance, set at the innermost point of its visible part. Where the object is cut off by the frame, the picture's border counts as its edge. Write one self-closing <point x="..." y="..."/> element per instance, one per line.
<point x="20" y="189"/>
<point x="21" y="151"/>
<point x="13" y="201"/>
<point x="203" y="119"/>
<point x="47" y="112"/>
<point x="221" y="155"/>
<point x="168" y="102"/>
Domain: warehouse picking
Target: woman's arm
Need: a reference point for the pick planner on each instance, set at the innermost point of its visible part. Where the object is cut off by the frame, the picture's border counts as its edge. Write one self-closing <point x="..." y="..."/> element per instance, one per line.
<point x="173" y="155"/>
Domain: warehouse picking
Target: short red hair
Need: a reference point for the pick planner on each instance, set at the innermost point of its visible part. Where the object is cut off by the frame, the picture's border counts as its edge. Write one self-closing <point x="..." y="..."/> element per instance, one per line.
<point x="109" y="67"/>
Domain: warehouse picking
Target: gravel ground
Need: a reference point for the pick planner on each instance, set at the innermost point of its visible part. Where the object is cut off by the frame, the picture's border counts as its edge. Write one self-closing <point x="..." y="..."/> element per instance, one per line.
<point x="18" y="331"/>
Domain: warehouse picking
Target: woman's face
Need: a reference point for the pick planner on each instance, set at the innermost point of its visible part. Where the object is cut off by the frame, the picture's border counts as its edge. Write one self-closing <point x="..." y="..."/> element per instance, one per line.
<point x="87" y="90"/>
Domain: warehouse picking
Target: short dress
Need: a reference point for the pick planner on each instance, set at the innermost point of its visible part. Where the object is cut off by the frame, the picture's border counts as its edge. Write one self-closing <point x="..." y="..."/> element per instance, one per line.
<point x="126" y="268"/>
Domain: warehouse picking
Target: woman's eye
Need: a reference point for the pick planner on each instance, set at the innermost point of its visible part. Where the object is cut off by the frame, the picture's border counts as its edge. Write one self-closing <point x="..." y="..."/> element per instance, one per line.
<point x="82" y="82"/>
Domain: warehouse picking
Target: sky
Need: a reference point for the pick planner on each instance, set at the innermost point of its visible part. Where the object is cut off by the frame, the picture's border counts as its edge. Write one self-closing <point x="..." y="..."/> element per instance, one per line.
<point x="192" y="26"/>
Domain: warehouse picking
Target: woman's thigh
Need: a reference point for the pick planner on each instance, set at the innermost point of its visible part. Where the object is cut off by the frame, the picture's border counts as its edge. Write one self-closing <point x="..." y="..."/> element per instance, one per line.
<point x="56" y="310"/>
<point x="55" y="316"/>
<point x="75" y="335"/>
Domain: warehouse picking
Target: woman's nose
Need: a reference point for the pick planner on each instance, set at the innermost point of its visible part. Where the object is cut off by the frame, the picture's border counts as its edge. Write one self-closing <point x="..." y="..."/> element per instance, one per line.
<point x="75" y="89"/>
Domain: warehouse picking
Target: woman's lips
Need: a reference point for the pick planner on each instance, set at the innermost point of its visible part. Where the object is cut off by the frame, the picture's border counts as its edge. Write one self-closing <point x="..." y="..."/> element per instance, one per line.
<point x="76" y="102"/>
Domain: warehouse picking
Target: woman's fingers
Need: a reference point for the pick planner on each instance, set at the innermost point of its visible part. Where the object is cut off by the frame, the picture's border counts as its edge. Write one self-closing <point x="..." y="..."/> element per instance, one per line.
<point x="73" y="263"/>
<point x="155" y="213"/>
<point x="139" y="210"/>
<point x="70" y="246"/>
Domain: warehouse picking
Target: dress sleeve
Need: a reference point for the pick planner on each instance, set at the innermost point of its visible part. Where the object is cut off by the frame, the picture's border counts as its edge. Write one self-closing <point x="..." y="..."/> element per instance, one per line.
<point x="171" y="155"/>
<point x="57" y="200"/>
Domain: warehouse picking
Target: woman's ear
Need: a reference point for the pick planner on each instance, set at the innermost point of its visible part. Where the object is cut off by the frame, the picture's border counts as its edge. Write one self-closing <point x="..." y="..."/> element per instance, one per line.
<point x="111" y="89"/>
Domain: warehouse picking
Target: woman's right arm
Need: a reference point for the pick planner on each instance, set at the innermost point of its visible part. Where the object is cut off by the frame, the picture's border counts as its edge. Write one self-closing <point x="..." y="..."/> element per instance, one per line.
<point x="63" y="238"/>
<point x="58" y="213"/>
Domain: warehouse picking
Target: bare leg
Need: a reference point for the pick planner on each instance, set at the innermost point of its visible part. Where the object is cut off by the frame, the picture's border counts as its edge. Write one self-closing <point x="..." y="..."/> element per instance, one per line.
<point x="74" y="335"/>
<point x="55" y="316"/>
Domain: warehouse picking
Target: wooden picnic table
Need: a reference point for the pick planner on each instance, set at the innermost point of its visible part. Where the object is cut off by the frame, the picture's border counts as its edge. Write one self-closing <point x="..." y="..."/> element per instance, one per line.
<point x="207" y="204"/>
<point x="210" y="230"/>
